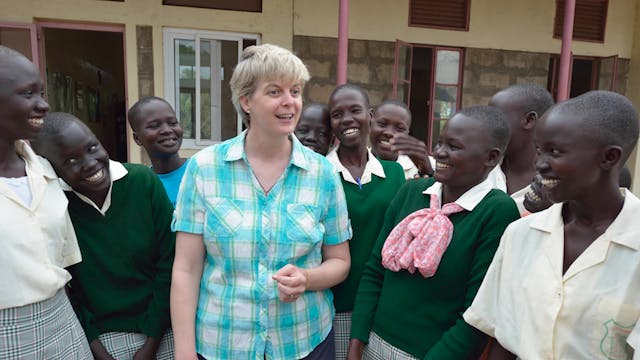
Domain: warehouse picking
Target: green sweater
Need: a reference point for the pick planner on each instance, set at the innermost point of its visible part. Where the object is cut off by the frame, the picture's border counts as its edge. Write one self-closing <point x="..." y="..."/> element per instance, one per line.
<point x="123" y="281"/>
<point x="423" y="316"/>
<point x="366" y="208"/>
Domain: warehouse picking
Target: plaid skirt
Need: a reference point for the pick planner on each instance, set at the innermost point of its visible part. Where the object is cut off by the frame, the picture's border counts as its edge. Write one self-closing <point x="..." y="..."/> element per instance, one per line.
<point x="123" y="346"/>
<point x="378" y="349"/>
<point x="342" y="328"/>
<point x="48" y="329"/>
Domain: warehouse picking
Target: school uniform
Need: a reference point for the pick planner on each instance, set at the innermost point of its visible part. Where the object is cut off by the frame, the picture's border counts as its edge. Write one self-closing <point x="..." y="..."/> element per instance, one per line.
<point x="411" y="316"/>
<point x="590" y="312"/>
<point x="499" y="180"/>
<point x="38" y="243"/>
<point x="121" y="289"/>
<point x="367" y="201"/>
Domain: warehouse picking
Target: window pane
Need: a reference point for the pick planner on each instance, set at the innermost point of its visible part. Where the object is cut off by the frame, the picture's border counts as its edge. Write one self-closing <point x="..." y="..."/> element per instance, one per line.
<point x="185" y="86"/>
<point x="606" y="73"/>
<point x="444" y="106"/>
<point x="228" y="115"/>
<point x="205" y="90"/>
<point x="404" y="66"/>
<point x="448" y="67"/>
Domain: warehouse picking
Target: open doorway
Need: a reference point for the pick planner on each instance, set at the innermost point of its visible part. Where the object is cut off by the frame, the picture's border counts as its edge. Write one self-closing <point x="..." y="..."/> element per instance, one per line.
<point x="429" y="80"/>
<point x="85" y="76"/>
<point x="586" y="74"/>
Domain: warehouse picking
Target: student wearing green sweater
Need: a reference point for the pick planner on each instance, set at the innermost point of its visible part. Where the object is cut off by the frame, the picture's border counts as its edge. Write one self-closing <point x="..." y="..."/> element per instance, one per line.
<point x="429" y="261"/>
<point x="121" y="215"/>
<point x="369" y="185"/>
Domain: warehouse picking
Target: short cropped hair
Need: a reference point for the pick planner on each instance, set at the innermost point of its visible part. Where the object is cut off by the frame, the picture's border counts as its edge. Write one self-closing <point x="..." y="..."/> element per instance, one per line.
<point x="533" y="97"/>
<point x="264" y="62"/>
<point x="494" y="121"/>
<point x="54" y="123"/>
<point x="7" y="55"/>
<point x="398" y="103"/>
<point x="320" y="106"/>
<point x="607" y="116"/>
<point x="354" y="87"/>
<point x="133" y="115"/>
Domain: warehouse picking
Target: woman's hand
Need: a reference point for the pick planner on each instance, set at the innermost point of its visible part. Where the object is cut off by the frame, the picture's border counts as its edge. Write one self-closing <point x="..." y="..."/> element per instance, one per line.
<point x="356" y="347"/>
<point x="292" y="282"/>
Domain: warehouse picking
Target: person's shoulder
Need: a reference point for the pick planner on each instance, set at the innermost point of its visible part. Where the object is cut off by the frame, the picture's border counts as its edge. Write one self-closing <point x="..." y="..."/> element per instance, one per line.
<point x="416" y="185"/>
<point x="139" y="171"/>
<point x="392" y="168"/>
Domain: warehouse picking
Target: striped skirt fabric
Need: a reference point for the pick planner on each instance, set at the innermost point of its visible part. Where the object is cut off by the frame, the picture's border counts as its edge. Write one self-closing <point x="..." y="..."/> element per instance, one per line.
<point x="123" y="346"/>
<point x="378" y="349"/>
<point x="48" y="329"/>
<point x="342" y="329"/>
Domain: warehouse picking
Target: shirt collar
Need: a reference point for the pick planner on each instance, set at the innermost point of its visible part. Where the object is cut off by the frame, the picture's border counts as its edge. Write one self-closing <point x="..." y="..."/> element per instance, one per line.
<point x="372" y="167"/>
<point x="116" y="171"/>
<point x="31" y="159"/>
<point x="469" y="199"/>
<point x="405" y="162"/>
<point x="298" y="151"/>
<point x="622" y="230"/>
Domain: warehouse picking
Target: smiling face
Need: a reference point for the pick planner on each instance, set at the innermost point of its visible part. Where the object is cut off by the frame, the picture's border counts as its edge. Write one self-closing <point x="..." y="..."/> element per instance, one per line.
<point x="314" y="130"/>
<point x="22" y="104"/>
<point x="350" y="117"/>
<point x="80" y="160"/>
<point x="388" y="121"/>
<point x="158" y="129"/>
<point x="463" y="155"/>
<point x="568" y="157"/>
<point x="274" y="107"/>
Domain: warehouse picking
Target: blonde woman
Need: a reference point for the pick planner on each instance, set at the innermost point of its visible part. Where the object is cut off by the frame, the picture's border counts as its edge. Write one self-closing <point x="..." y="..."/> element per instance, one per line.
<point x="261" y="227"/>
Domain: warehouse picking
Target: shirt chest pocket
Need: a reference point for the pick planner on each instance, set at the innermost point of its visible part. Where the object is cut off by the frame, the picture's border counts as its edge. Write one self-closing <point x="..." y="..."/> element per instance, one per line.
<point x="613" y="323"/>
<point x="304" y="227"/>
<point x="222" y="223"/>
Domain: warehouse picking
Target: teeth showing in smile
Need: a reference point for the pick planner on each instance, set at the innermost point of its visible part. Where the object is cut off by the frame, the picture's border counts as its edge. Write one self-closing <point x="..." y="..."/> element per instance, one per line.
<point x="533" y="196"/>
<point x="351" y="132"/>
<point x="285" y="117"/>
<point x="36" y="121"/>
<point x="440" y="165"/>
<point x="384" y="141"/>
<point x="548" y="183"/>
<point x="96" y="177"/>
<point x="168" y="141"/>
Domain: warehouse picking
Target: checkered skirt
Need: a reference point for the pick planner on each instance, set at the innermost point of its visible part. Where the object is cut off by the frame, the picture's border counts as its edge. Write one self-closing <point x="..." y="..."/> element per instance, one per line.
<point x="378" y="349"/>
<point x="123" y="346"/>
<point x="342" y="329"/>
<point x="48" y="329"/>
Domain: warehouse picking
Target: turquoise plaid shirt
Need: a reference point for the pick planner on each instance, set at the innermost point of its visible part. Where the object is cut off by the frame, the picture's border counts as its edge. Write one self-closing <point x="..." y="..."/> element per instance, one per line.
<point x="248" y="236"/>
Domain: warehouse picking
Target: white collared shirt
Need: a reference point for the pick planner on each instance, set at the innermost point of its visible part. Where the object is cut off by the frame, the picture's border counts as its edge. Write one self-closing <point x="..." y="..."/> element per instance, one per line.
<point x="373" y="167"/>
<point x="117" y="171"/>
<point x="590" y="312"/>
<point x="469" y="199"/>
<point x="499" y="180"/>
<point x="38" y="240"/>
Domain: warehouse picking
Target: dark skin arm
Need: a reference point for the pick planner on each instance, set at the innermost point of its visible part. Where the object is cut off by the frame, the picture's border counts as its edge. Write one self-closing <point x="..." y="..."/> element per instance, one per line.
<point x="356" y="348"/>
<point x="148" y="350"/>
<point x="415" y="149"/>
<point x="497" y="352"/>
<point x="99" y="351"/>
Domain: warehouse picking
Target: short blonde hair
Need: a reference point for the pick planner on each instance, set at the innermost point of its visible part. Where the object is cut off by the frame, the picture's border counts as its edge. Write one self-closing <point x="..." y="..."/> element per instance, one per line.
<point x="264" y="62"/>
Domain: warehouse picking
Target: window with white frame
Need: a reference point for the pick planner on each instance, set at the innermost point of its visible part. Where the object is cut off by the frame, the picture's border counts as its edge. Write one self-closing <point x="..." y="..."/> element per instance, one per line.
<point x="197" y="69"/>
